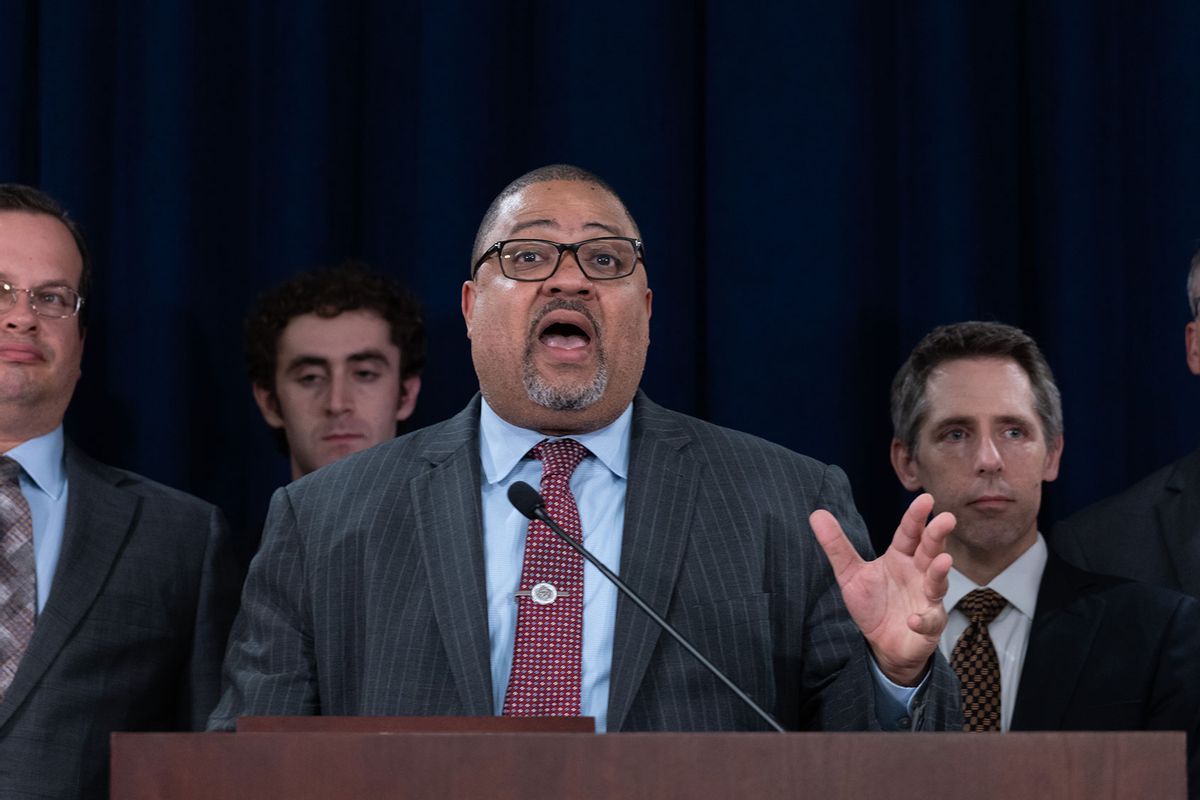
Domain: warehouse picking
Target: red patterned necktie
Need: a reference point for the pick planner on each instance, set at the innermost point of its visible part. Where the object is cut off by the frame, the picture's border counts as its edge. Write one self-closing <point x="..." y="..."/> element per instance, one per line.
<point x="545" y="679"/>
<point x="18" y="577"/>
<point x="974" y="659"/>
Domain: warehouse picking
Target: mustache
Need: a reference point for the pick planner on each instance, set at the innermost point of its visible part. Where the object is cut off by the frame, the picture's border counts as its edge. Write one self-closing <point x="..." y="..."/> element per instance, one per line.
<point x="562" y="304"/>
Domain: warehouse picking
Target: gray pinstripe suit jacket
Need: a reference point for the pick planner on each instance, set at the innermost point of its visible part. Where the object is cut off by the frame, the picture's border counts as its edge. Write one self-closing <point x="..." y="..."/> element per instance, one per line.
<point x="367" y="596"/>
<point x="131" y="637"/>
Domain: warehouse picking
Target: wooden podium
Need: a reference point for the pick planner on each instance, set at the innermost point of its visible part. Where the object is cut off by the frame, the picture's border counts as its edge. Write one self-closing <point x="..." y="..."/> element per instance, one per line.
<point x="357" y="759"/>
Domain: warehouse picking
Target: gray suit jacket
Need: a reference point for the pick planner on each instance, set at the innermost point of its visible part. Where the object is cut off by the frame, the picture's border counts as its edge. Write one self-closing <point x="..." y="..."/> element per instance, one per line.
<point x="1150" y="532"/>
<point x="130" y="639"/>
<point x="368" y="596"/>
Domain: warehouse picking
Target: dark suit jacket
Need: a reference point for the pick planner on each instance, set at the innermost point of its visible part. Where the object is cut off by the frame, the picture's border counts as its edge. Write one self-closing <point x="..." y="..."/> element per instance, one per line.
<point x="1150" y="532"/>
<point x="1110" y="654"/>
<point x="130" y="639"/>
<point x="368" y="595"/>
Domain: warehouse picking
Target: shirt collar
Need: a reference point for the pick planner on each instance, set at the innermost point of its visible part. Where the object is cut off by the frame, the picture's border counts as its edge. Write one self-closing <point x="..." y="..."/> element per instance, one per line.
<point x="1018" y="583"/>
<point x="502" y="445"/>
<point x="42" y="460"/>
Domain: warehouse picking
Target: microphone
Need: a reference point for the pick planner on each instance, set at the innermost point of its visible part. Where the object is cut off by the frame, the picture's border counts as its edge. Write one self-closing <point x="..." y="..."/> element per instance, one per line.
<point x="526" y="500"/>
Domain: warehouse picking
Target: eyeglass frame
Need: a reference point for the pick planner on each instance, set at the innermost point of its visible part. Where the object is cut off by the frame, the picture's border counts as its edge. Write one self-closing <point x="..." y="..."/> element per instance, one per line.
<point x="495" y="248"/>
<point x="5" y="286"/>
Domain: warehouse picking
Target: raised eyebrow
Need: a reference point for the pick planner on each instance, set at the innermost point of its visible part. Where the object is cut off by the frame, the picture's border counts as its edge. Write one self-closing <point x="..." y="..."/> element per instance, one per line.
<point x="46" y="285"/>
<point x="300" y="362"/>
<point x="368" y="355"/>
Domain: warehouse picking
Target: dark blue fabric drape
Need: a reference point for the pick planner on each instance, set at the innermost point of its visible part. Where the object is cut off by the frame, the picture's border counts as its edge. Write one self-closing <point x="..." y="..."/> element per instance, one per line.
<point x="818" y="185"/>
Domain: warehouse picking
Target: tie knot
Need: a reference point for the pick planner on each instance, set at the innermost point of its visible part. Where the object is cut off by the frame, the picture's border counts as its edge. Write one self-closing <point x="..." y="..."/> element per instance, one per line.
<point x="10" y="471"/>
<point x="982" y="605"/>
<point x="559" y="457"/>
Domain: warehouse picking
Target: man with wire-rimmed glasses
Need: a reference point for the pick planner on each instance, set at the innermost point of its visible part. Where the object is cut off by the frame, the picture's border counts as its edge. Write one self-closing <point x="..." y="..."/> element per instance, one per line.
<point x="115" y="592"/>
<point x="410" y="557"/>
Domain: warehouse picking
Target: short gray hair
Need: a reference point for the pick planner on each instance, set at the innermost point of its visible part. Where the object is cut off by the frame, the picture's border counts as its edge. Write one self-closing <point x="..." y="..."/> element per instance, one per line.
<point x="1193" y="286"/>
<point x="960" y="340"/>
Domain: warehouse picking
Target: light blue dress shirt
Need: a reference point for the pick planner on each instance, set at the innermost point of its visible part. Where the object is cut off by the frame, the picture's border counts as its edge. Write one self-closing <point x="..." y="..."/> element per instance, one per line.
<point x="599" y="485"/>
<point x="44" y="484"/>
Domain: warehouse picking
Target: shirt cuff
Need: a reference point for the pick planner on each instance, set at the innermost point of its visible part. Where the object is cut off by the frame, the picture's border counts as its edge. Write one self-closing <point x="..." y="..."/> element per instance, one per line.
<point x="894" y="703"/>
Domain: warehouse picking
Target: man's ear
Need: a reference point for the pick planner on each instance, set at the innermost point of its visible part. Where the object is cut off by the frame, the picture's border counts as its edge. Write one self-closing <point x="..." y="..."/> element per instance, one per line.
<point x="1053" y="457"/>
<point x="1191" y="337"/>
<point x="268" y="405"/>
<point x="904" y="463"/>
<point x="409" y="389"/>
<point x="468" y="303"/>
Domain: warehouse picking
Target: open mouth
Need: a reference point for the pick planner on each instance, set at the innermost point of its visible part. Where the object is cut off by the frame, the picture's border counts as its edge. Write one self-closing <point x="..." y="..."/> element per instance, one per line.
<point x="565" y="336"/>
<point x="566" y="331"/>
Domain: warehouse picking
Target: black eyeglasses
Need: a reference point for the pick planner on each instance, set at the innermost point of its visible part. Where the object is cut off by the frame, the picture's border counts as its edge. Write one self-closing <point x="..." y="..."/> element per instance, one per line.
<point x="52" y="301"/>
<point x="603" y="259"/>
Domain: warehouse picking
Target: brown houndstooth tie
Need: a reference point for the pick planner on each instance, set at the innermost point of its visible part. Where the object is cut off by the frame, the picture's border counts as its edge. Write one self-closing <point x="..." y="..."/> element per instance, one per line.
<point x="18" y="578"/>
<point x="547" y="652"/>
<point x="974" y="659"/>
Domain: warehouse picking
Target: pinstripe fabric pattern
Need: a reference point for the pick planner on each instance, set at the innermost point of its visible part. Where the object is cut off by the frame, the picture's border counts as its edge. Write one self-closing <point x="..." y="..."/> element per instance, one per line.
<point x="130" y="638"/>
<point x="367" y="596"/>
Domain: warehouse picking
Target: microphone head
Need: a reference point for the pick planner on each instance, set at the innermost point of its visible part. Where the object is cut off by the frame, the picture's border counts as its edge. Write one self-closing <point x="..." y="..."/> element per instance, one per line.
<point x="525" y="499"/>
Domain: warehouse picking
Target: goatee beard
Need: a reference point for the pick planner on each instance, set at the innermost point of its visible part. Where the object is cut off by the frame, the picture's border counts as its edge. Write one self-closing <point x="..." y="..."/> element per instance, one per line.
<point x="564" y="398"/>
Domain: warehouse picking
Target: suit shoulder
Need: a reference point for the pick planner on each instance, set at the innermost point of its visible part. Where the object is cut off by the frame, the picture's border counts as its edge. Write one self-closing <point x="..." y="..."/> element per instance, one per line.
<point x="139" y="485"/>
<point x="1114" y="511"/>
<point x="718" y="441"/>
<point x="1147" y="601"/>
<point x="392" y="460"/>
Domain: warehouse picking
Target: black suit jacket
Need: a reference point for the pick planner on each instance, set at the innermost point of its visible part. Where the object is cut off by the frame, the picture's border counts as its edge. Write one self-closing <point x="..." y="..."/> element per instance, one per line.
<point x="1111" y="654"/>
<point x="368" y="594"/>
<point x="1149" y="532"/>
<point x="131" y="636"/>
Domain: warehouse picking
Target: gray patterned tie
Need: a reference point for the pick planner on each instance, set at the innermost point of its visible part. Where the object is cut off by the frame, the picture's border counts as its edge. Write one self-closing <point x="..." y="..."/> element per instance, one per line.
<point x="18" y="578"/>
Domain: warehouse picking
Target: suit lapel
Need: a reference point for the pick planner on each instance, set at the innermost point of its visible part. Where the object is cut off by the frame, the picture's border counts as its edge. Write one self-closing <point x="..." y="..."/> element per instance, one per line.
<point x="1177" y="515"/>
<point x="659" y="504"/>
<point x="1060" y="641"/>
<point x="446" y="500"/>
<point x="99" y="518"/>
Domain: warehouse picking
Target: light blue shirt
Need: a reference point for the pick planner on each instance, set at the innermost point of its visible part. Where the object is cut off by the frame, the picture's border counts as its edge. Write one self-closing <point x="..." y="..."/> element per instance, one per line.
<point x="599" y="487"/>
<point x="44" y="484"/>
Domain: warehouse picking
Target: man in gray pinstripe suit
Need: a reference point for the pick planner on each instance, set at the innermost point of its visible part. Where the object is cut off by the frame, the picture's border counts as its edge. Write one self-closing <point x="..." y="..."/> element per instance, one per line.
<point x="385" y="582"/>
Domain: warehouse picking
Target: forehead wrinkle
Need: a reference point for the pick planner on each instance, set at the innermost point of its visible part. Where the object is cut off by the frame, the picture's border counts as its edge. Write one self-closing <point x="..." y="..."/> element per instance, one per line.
<point x="533" y="223"/>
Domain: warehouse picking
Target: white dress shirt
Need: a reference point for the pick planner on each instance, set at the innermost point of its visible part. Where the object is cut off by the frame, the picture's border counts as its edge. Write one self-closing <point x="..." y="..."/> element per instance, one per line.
<point x="1009" y="631"/>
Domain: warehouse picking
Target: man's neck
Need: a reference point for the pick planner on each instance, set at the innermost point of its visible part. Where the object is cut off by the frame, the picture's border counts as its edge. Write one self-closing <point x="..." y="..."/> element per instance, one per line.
<point x="982" y="565"/>
<point x="18" y="425"/>
<point x="11" y="439"/>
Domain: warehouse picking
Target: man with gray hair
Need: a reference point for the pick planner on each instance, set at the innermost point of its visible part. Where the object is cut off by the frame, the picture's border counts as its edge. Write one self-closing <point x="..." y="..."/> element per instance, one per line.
<point x="1150" y="531"/>
<point x="1037" y="644"/>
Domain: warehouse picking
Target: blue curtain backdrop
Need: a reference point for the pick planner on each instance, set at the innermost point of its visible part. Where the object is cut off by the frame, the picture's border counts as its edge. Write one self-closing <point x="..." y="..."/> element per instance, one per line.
<point x="818" y="185"/>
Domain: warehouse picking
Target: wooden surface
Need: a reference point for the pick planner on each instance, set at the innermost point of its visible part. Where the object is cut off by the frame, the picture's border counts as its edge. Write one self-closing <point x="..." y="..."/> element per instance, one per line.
<point x="532" y="766"/>
<point x="416" y="725"/>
